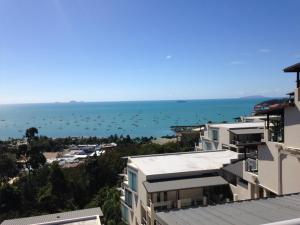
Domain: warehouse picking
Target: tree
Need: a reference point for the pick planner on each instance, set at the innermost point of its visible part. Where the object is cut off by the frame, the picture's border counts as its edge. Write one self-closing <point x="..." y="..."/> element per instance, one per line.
<point x="8" y="167"/>
<point x="34" y="149"/>
<point x="111" y="207"/>
<point x="108" y="198"/>
<point x="22" y="150"/>
<point x="31" y="133"/>
<point x="36" y="160"/>
<point x="9" y="198"/>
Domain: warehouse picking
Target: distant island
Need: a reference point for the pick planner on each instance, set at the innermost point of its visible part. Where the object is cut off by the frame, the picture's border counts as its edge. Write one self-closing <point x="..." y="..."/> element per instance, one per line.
<point x="74" y="102"/>
<point x="253" y="97"/>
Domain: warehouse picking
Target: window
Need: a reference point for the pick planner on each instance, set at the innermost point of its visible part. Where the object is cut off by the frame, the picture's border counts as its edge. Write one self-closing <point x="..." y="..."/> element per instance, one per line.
<point x="207" y="146"/>
<point x="124" y="211"/>
<point x="243" y="182"/>
<point x="132" y="180"/>
<point x="214" y="134"/>
<point x="128" y="198"/>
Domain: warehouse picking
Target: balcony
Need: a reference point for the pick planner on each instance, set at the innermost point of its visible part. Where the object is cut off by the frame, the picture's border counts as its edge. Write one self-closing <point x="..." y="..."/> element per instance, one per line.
<point x="245" y="142"/>
<point x="251" y="165"/>
<point x="182" y="203"/>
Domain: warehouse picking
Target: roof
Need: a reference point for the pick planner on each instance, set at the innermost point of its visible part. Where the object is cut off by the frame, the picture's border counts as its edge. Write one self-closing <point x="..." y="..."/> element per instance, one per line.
<point x="184" y="184"/>
<point x="84" y="216"/>
<point x="248" y="131"/>
<point x="252" y="212"/>
<point x="293" y="68"/>
<point x="271" y="106"/>
<point x="177" y="163"/>
<point x="237" y="125"/>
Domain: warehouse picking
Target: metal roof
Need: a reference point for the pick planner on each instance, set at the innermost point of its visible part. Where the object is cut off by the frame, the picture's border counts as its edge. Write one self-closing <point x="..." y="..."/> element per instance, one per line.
<point x="184" y="184"/>
<point x="271" y="106"/>
<point x="85" y="216"/>
<point x="247" y="131"/>
<point x="182" y="163"/>
<point x="293" y="68"/>
<point x="252" y="212"/>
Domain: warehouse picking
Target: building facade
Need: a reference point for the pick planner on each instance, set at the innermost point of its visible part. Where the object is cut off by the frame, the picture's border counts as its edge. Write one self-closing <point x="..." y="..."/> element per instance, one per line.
<point x="278" y="159"/>
<point x="160" y="182"/>
<point x="238" y="137"/>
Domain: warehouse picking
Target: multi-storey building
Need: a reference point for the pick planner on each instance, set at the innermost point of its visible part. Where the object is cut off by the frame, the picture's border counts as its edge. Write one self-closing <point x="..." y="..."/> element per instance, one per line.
<point x="157" y="182"/>
<point x="239" y="137"/>
<point x="215" y="175"/>
<point x="278" y="159"/>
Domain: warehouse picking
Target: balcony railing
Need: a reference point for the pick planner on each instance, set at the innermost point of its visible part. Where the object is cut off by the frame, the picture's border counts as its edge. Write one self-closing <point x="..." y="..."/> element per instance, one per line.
<point x="182" y="203"/>
<point x="246" y="142"/>
<point x="165" y="205"/>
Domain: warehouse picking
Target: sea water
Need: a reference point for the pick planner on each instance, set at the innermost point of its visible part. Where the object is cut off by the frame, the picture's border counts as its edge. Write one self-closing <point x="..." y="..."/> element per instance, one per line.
<point x="140" y="118"/>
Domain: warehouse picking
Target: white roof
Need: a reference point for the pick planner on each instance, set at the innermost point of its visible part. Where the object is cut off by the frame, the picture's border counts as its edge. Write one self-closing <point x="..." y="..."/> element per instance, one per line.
<point x="82" y="217"/>
<point x="237" y="125"/>
<point x="182" y="162"/>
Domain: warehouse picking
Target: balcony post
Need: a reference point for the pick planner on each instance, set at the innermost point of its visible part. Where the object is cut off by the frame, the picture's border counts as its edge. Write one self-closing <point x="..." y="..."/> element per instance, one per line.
<point x="151" y="213"/>
<point x="204" y="200"/>
<point x="179" y="204"/>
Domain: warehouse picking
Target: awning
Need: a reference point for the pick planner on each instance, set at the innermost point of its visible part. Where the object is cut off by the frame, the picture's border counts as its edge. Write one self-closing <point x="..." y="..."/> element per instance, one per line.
<point x="247" y="131"/>
<point x="184" y="184"/>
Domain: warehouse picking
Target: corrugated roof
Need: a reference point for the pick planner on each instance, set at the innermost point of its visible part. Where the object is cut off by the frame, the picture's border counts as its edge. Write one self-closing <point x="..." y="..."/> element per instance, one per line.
<point x="184" y="184"/>
<point x="247" y="131"/>
<point x="253" y="212"/>
<point x="59" y="218"/>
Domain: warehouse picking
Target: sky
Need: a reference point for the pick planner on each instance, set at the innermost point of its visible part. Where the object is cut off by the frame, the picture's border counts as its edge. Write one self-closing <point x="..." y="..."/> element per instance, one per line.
<point x="124" y="50"/>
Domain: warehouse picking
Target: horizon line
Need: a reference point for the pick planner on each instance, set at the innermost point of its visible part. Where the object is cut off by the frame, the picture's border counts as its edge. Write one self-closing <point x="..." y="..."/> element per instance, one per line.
<point x="147" y="100"/>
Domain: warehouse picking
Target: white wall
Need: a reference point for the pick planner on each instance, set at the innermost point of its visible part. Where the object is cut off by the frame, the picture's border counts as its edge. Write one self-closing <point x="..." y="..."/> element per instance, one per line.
<point x="290" y="174"/>
<point x="268" y="166"/>
<point x="292" y="124"/>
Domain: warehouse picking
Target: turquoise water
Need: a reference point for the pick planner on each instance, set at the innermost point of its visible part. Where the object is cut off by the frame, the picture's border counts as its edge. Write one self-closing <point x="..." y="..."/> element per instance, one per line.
<point x="147" y="118"/>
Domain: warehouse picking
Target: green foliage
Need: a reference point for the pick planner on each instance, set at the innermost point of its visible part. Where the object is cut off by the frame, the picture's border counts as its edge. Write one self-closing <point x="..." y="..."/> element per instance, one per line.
<point x="31" y="133"/>
<point x="50" y="188"/>
<point x="9" y="198"/>
<point x="108" y="198"/>
<point x="8" y="167"/>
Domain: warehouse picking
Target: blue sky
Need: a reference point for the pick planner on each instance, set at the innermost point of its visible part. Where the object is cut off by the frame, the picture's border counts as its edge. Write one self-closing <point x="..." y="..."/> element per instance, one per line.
<point x="94" y="50"/>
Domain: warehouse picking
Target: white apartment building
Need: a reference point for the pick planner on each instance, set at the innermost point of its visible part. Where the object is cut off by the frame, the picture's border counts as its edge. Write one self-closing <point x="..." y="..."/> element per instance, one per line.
<point x="215" y="175"/>
<point x="239" y="137"/>
<point x="278" y="159"/>
<point x="159" y="182"/>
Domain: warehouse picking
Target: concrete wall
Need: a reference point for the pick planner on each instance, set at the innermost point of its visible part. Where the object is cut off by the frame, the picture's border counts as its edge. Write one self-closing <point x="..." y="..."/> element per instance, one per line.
<point x="139" y="198"/>
<point x="268" y="174"/>
<point x="223" y="137"/>
<point x="290" y="174"/>
<point x="242" y="190"/>
<point x="292" y="124"/>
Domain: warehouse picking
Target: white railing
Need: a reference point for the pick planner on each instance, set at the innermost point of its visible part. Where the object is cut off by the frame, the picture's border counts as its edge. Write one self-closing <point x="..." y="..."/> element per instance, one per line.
<point x="168" y="204"/>
<point x="186" y="202"/>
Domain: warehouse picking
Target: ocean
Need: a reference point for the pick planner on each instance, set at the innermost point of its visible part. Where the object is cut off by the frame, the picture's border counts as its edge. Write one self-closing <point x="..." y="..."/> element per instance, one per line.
<point x="140" y="118"/>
